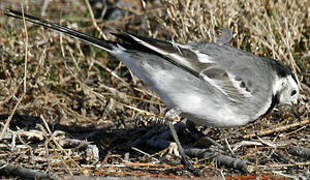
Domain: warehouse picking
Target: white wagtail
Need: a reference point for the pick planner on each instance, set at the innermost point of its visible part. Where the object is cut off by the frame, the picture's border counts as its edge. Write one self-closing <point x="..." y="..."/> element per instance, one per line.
<point x="211" y="84"/>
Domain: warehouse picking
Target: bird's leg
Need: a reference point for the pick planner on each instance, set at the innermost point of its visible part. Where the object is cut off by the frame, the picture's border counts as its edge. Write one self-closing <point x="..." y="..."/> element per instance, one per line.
<point x="171" y="114"/>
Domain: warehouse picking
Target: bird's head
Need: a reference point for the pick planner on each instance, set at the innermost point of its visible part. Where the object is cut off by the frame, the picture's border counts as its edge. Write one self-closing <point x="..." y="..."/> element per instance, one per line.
<point x="287" y="89"/>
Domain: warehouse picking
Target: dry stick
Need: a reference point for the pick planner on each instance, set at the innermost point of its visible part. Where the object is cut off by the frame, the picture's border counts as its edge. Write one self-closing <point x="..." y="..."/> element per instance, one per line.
<point x="136" y="109"/>
<point x="220" y="159"/>
<point x="61" y="148"/>
<point x="44" y="7"/>
<point x="24" y="80"/>
<point x="22" y="172"/>
<point x="11" y="116"/>
<point x="138" y="164"/>
<point x="93" y="19"/>
<point x="105" y="160"/>
<point x="48" y="140"/>
<point x="26" y="52"/>
<point x="279" y="129"/>
<point x="110" y="71"/>
<point x="293" y="132"/>
<point x="272" y="166"/>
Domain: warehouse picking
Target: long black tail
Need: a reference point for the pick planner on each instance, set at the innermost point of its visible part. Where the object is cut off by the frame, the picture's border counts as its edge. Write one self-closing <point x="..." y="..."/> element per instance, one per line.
<point x="100" y="43"/>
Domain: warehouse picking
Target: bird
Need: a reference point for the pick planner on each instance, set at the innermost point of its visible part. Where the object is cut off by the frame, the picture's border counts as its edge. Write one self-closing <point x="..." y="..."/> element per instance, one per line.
<point x="210" y="83"/>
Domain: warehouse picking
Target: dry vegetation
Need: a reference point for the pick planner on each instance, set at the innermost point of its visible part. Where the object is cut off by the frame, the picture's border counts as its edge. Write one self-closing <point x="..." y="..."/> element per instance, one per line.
<point x="77" y="109"/>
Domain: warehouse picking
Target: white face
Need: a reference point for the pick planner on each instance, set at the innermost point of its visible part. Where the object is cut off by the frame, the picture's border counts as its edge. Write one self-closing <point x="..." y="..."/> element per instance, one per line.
<point x="289" y="91"/>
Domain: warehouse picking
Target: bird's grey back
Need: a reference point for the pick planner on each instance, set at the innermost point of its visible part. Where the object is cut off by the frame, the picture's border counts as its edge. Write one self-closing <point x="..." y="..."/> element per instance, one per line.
<point x="256" y="72"/>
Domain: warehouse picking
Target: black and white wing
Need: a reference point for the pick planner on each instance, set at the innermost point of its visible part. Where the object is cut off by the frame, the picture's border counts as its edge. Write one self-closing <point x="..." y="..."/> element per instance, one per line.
<point x="205" y="66"/>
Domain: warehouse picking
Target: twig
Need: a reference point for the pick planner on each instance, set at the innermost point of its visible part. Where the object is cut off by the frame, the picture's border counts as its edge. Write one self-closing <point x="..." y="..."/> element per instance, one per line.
<point x="219" y="159"/>
<point x="105" y="160"/>
<point x="245" y="143"/>
<point x="44" y="7"/>
<point x="22" y="172"/>
<point x="138" y="164"/>
<point x="93" y="19"/>
<point x="7" y="123"/>
<point x="26" y="51"/>
<point x="273" y="166"/>
<point x="278" y="129"/>
<point x="136" y="109"/>
<point x="24" y="80"/>
<point x="229" y="147"/>
<point x="110" y="71"/>
<point x="56" y="142"/>
<point x="293" y="132"/>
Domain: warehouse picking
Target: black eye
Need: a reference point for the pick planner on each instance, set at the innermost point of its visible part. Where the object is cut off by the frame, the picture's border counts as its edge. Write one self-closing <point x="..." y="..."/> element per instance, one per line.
<point x="293" y="92"/>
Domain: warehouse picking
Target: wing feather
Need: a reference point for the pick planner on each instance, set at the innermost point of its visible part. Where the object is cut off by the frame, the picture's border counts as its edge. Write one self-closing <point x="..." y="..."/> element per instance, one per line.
<point x="227" y="83"/>
<point x="197" y="63"/>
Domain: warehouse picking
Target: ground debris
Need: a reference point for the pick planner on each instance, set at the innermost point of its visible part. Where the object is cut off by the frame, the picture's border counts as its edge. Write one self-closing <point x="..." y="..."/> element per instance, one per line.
<point x="25" y="173"/>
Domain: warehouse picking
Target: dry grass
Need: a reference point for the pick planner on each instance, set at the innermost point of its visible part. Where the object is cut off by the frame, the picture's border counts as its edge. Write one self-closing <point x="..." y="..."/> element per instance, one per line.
<point x="84" y="93"/>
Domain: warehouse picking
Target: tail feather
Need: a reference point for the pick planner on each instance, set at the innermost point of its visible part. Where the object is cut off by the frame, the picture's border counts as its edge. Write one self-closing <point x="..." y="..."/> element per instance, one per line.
<point x="100" y="43"/>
